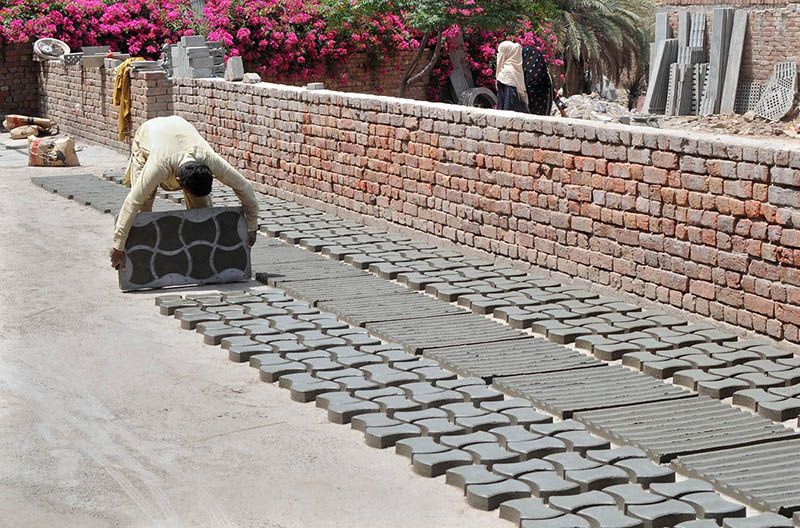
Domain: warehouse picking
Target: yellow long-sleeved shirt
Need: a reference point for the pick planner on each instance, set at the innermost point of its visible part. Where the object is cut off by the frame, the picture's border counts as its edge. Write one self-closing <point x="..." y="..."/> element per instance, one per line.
<point x="165" y="143"/>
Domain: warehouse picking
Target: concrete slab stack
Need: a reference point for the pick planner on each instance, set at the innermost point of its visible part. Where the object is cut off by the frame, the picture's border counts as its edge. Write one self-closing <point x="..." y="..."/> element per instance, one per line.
<point x="734" y="62"/>
<point x="191" y="57"/>
<point x="663" y="31"/>
<point x="217" y="51"/>
<point x="666" y="54"/>
<point x="720" y="45"/>
<point x="684" y="89"/>
<point x="697" y="35"/>
<point x="684" y="28"/>
<point x="699" y="83"/>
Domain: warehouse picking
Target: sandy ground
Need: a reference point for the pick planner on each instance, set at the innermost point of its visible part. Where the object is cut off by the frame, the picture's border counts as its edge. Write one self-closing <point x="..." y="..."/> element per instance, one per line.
<point x="111" y="415"/>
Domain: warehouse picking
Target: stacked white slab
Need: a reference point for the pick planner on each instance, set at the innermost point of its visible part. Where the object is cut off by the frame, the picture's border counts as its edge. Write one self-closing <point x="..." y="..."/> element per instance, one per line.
<point x="728" y="102"/>
<point x="699" y="85"/>
<point x="658" y="87"/>
<point x="720" y="46"/>
<point x="697" y="35"/>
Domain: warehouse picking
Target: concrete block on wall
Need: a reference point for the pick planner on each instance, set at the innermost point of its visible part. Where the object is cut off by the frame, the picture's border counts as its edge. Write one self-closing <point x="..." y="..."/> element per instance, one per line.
<point x="234" y="70"/>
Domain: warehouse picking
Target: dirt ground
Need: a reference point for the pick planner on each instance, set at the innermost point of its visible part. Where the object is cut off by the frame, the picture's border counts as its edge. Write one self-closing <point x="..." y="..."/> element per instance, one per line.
<point x="111" y="415"/>
<point x="596" y="109"/>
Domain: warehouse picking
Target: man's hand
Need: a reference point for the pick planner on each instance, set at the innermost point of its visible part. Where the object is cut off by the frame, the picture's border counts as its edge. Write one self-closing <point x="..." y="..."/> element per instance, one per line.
<point x="251" y="237"/>
<point x="117" y="259"/>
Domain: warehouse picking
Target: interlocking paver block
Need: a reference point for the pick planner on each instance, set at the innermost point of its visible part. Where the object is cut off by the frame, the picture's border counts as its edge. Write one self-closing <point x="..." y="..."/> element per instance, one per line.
<point x="438" y="427"/>
<point x="435" y="464"/>
<point x="704" y="523"/>
<point x="354" y="384"/>
<point x="463" y="440"/>
<point x="490" y="454"/>
<point x="565" y="521"/>
<point x="483" y="422"/>
<point x="564" y="462"/>
<point x="387" y="376"/>
<point x="597" y="478"/>
<point x="575" y="503"/>
<point x="609" y="517"/>
<point x="781" y="410"/>
<point x="464" y="476"/>
<point x="195" y="246"/>
<point x="383" y="437"/>
<point x="526" y="416"/>
<point x="242" y="354"/>
<point x="307" y="391"/>
<point x="513" y="433"/>
<point x="752" y="398"/>
<point x="558" y="427"/>
<point x="677" y="490"/>
<point x="410" y="447"/>
<point x="343" y="412"/>
<point x="538" y="448"/>
<point x="642" y="471"/>
<point x="662" y="514"/>
<point x="582" y="441"/>
<point x="721" y="389"/>
<point x="764" y="520"/>
<point x="275" y="371"/>
<point x="489" y="496"/>
<point x="627" y="495"/>
<point x="515" y="469"/>
<point x="518" y="510"/>
<point x="546" y="484"/>
<point x="712" y="506"/>
<point x="462" y="410"/>
<point x="612" y="456"/>
<point x="415" y="416"/>
<point x="361" y="422"/>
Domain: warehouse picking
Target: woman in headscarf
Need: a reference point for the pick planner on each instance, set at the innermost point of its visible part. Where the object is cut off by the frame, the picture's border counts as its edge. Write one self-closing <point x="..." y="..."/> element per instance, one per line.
<point x="538" y="85"/>
<point x="511" y="93"/>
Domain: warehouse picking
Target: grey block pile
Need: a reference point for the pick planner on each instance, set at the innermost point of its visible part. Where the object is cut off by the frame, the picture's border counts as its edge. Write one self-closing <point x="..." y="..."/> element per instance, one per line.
<point x="195" y="58"/>
<point x="778" y="97"/>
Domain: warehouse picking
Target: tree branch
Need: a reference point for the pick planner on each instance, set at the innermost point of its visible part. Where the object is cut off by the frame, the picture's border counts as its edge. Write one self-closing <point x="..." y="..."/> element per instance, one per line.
<point x="413" y="66"/>
<point x="437" y="53"/>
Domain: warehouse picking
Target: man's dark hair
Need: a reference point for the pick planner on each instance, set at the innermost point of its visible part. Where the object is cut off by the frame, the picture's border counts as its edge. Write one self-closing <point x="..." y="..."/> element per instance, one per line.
<point x="195" y="177"/>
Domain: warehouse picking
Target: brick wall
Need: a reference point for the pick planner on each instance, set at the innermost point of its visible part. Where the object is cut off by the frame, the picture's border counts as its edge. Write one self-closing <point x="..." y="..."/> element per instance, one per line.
<point x="81" y="101"/>
<point x="18" y="84"/>
<point x="359" y="76"/>
<point x="707" y="223"/>
<point x="773" y="31"/>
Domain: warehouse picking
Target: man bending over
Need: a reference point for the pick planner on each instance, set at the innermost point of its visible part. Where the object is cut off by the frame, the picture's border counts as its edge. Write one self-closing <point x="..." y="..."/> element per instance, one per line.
<point x="168" y="151"/>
